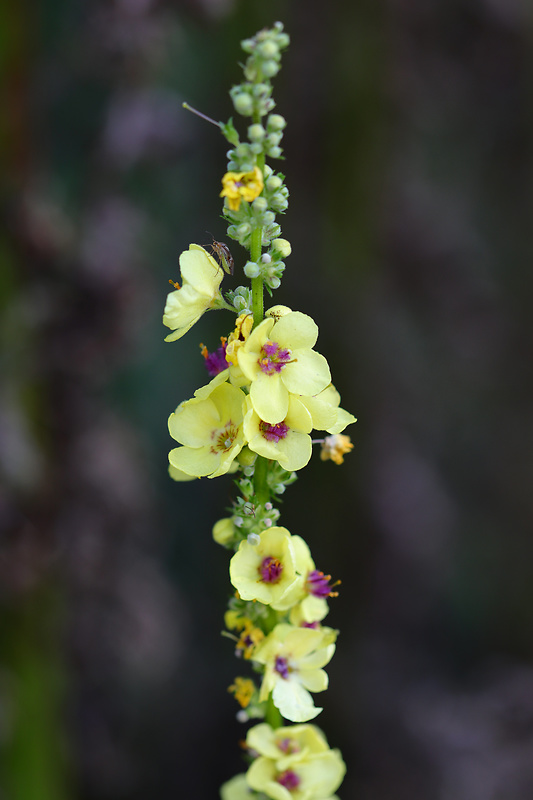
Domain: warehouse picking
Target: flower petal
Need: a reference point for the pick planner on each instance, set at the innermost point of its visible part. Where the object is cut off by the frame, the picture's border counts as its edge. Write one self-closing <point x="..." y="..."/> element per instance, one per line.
<point x="295" y="330"/>
<point x="308" y="374"/>
<point x="192" y="422"/>
<point x="293" y="701"/>
<point x="270" y="398"/>
<point x="198" y="461"/>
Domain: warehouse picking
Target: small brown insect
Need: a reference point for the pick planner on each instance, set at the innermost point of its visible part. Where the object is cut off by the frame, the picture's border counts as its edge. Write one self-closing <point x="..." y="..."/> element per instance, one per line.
<point x="249" y="509"/>
<point x="222" y="252"/>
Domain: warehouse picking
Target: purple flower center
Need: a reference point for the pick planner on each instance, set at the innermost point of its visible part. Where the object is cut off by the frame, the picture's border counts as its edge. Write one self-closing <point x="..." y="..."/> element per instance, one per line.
<point x="313" y="625"/>
<point x="319" y="585"/>
<point x="281" y="666"/>
<point x="215" y="362"/>
<point x="271" y="570"/>
<point x="273" y="433"/>
<point x="288" y="746"/>
<point x="289" y="780"/>
<point x="273" y="358"/>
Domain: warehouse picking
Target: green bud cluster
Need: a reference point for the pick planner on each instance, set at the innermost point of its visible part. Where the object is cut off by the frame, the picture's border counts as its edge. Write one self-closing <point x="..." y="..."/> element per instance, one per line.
<point x="270" y="265"/>
<point x="241" y="299"/>
<point x="253" y="99"/>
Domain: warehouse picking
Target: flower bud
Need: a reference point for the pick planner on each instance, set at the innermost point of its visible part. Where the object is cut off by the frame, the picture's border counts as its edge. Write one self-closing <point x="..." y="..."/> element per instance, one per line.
<point x="268" y="49"/>
<point x="250" y="71"/>
<point x="278" y="202"/>
<point x="282" y="246"/>
<point x="274" y="282"/>
<point x="273" y="183"/>
<point x="261" y="90"/>
<point x="253" y="539"/>
<point x="275" y="152"/>
<point x="256" y="132"/>
<point x="248" y="45"/>
<point x="246" y="457"/>
<point x="270" y="68"/>
<point x="243" y="104"/>
<point x="251" y="269"/>
<point x="256" y="148"/>
<point x="260" y="204"/>
<point x="274" y="138"/>
<point x="243" y="229"/>
<point x="276" y="122"/>
<point x="224" y="531"/>
<point x="268" y="218"/>
<point x="266" y="258"/>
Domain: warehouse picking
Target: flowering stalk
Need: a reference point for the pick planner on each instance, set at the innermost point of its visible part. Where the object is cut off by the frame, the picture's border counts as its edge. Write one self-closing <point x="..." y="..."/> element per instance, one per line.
<point x="269" y="389"/>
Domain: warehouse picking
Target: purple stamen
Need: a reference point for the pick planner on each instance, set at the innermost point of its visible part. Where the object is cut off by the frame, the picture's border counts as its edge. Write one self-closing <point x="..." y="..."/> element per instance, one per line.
<point x="313" y="625"/>
<point x="215" y="362"/>
<point x="273" y="358"/>
<point x="318" y="584"/>
<point x="271" y="570"/>
<point x="281" y="666"/>
<point x="273" y="433"/>
<point x="289" y="780"/>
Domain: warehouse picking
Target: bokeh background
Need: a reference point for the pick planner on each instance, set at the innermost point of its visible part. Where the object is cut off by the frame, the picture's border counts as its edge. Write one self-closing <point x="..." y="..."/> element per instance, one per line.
<point x="408" y="159"/>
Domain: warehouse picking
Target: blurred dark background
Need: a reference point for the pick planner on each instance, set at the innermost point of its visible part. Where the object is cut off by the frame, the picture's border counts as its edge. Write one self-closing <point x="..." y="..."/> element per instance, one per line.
<point x="409" y="164"/>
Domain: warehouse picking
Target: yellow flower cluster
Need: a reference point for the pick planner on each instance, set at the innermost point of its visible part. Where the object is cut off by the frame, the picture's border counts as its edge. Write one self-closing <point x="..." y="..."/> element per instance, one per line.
<point x="275" y="391"/>
<point x="292" y="763"/>
<point x="270" y="389"/>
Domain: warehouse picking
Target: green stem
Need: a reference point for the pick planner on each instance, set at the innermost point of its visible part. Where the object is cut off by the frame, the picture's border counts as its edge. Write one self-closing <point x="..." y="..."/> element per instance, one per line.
<point x="257" y="283"/>
<point x="272" y="716"/>
<point x="261" y="491"/>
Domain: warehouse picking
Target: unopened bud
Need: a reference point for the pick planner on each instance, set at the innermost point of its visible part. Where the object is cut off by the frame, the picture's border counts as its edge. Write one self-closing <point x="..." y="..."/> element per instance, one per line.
<point x="283" y="247"/>
<point x="260" y="204"/>
<point x="251" y="269"/>
<point x="243" y="104"/>
<point x="256" y="133"/>
<point x="273" y="183"/>
<point x="276" y="122"/>
<point x="269" y="69"/>
<point x="268" y="49"/>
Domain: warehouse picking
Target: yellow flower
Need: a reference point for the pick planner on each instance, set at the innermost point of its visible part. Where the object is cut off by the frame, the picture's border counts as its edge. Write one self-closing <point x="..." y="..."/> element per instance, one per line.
<point x="287" y="442"/>
<point x="335" y="447"/>
<point x="278" y="359"/>
<point x="293" y="659"/>
<point x="238" y="186"/>
<point x="210" y="429"/>
<point x="313" y="778"/>
<point x="249" y="637"/>
<point x="201" y="277"/>
<point x="243" y="690"/>
<point x="288" y="744"/>
<point x="264" y="571"/>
